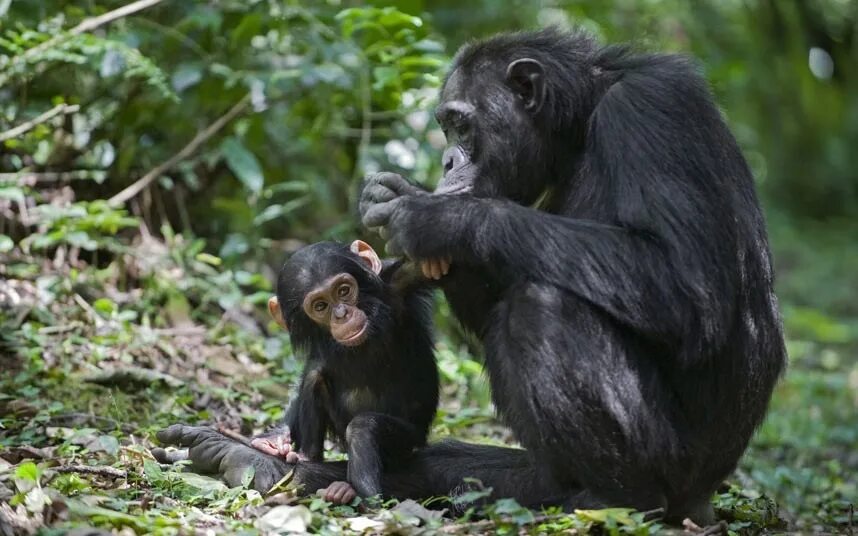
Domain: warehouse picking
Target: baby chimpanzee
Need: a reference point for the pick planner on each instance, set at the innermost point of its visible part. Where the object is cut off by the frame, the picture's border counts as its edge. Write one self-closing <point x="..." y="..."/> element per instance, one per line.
<point x="370" y="376"/>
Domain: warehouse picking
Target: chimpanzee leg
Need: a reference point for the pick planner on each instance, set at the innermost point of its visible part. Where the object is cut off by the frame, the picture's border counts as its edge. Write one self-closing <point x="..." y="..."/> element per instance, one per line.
<point x="435" y="470"/>
<point x="372" y="438"/>
<point x="586" y="398"/>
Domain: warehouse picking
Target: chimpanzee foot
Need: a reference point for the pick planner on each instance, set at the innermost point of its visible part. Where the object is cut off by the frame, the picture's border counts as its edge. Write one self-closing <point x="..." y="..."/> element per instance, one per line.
<point x="338" y="493"/>
<point x="213" y="453"/>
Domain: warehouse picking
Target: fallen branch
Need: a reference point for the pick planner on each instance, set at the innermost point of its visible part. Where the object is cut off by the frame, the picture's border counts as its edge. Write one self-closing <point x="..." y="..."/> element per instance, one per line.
<point x="92" y="313"/>
<point x="59" y="109"/>
<point x="100" y="470"/>
<point x="189" y="149"/>
<point x="129" y="378"/>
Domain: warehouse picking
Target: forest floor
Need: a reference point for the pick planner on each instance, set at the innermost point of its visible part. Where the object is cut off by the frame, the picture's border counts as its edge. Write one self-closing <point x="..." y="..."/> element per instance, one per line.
<point x="95" y="359"/>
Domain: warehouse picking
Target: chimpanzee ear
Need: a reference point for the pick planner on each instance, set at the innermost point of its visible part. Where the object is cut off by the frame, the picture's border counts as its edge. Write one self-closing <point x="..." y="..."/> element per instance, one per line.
<point x="276" y="313"/>
<point x="367" y="254"/>
<point x="526" y="77"/>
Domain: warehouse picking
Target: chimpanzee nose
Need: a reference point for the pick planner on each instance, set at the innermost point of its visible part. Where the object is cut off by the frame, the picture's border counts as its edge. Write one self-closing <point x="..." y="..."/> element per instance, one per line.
<point x="340" y="311"/>
<point x="452" y="158"/>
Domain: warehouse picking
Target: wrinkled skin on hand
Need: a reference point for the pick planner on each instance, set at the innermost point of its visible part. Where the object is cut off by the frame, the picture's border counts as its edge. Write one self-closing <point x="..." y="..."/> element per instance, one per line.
<point x="386" y="203"/>
<point x="213" y="453"/>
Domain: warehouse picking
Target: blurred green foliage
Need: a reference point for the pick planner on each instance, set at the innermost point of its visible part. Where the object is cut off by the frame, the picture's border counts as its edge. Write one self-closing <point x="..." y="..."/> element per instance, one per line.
<point x="258" y="118"/>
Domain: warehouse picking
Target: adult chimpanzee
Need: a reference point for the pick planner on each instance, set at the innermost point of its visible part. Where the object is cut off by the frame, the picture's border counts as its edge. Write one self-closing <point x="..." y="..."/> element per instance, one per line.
<point x="606" y="243"/>
<point x="370" y="376"/>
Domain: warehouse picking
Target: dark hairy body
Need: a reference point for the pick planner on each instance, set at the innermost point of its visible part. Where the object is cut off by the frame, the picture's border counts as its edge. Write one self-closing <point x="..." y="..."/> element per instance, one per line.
<point x="605" y="242"/>
<point x="370" y="379"/>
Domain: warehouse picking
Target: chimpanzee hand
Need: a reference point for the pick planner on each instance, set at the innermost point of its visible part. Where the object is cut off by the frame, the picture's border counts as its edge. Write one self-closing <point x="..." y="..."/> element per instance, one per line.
<point x="383" y="187"/>
<point x="381" y="199"/>
<point x="211" y="452"/>
<point x="278" y="442"/>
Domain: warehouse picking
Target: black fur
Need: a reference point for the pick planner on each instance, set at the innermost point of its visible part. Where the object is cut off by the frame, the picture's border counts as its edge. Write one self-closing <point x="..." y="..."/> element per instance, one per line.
<point x="377" y="399"/>
<point x="631" y="332"/>
<point x="612" y="256"/>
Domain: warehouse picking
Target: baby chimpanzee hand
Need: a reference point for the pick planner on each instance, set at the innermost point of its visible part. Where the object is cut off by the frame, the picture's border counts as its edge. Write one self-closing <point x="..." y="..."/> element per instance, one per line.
<point x="278" y="442"/>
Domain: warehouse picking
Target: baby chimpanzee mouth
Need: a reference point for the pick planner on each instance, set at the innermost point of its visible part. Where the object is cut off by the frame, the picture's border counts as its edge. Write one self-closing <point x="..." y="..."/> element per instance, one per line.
<point x="358" y="338"/>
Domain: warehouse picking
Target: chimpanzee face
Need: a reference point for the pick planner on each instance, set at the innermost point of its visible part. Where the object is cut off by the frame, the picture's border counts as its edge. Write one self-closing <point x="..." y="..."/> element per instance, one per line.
<point x="493" y="144"/>
<point x="333" y="305"/>
<point x="333" y="289"/>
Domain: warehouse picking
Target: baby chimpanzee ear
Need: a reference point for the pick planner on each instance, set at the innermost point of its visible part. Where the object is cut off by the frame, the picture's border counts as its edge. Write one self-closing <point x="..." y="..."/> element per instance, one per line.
<point x="367" y="254"/>
<point x="276" y="313"/>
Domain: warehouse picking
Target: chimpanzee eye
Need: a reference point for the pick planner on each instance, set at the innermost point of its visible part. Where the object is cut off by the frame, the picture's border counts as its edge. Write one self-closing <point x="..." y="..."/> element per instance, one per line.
<point x="319" y="306"/>
<point x="343" y="291"/>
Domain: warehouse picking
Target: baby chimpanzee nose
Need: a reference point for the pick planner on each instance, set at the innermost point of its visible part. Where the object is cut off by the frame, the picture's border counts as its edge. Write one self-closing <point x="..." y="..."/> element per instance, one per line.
<point x="340" y="311"/>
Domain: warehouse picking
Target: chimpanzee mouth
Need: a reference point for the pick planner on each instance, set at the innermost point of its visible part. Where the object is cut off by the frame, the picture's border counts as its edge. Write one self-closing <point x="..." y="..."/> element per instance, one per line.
<point x="358" y="338"/>
<point x="463" y="189"/>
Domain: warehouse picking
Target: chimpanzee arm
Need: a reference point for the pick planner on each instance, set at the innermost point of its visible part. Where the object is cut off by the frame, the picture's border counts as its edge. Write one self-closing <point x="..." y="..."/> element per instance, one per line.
<point x="625" y="273"/>
<point x="313" y="418"/>
<point x="305" y="423"/>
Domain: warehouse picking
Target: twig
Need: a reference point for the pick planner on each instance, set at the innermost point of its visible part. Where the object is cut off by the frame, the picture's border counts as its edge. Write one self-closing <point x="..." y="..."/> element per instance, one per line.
<point x="718" y="528"/>
<point x="180" y="332"/>
<point x="62" y="328"/>
<point x="96" y="318"/>
<point x="232" y="434"/>
<point x="187" y="150"/>
<point x="131" y="377"/>
<point x="92" y="470"/>
<point x="38" y="120"/>
<point x="655" y="513"/>
<point x="90" y="24"/>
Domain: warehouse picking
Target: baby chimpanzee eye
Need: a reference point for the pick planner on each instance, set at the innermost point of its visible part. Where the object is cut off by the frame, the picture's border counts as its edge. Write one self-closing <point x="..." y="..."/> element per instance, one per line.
<point x="319" y="306"/>
<point x="343" y="291"/>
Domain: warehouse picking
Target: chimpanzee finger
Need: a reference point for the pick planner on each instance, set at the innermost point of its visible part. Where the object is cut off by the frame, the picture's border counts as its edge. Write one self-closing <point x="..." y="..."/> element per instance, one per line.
<point x="181" y="435"/>
<point x="379" y="214"/>
<point x="275" y="446"/>
<point x="378" y="193"/>
<point x="169" y="456"/>
<point x="338" y="493"/>
<point x="396" y="182"/>
<point x="437" y="269"/>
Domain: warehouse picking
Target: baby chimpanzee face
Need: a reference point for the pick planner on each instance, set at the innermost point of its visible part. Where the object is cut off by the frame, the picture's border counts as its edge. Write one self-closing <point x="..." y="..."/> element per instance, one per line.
<point x="335" y="287"/>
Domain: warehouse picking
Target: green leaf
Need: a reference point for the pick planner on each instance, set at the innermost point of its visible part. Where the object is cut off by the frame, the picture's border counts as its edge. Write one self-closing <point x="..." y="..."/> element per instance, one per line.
<point x="153" y="471"/>
<point x="243" y="163"/>
<point x="28" y="471"/>
<point x="104" y="306"/>
<point x="110" y="444"/>
<point x="384" y="76"/>
<point x="6" y="244"/>
<point x="208" y="259"/>
<point x="247" y="478"/>
<point x="619" y="515"/>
